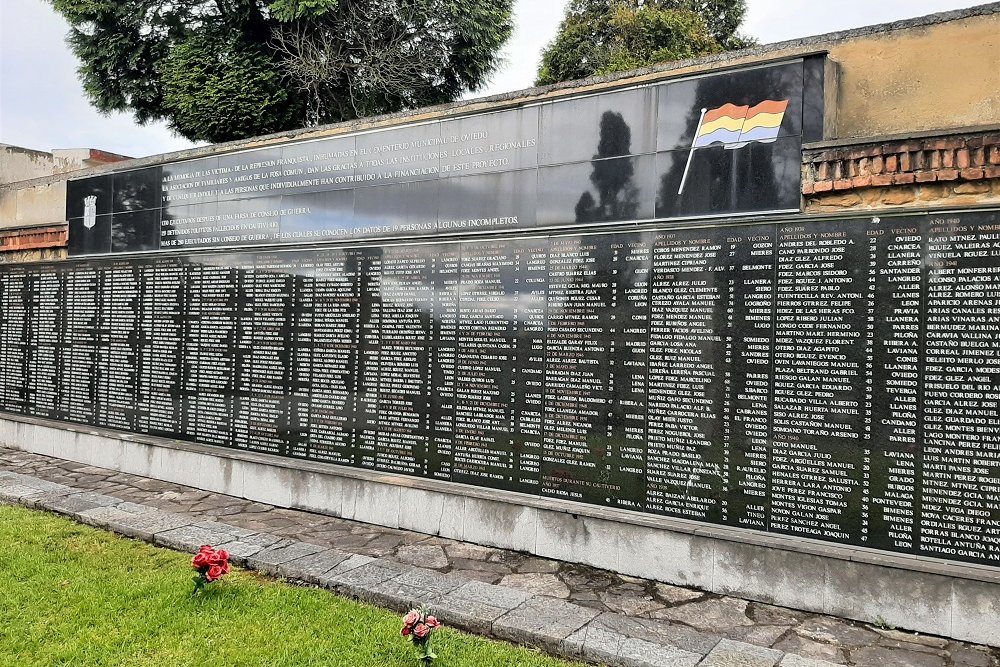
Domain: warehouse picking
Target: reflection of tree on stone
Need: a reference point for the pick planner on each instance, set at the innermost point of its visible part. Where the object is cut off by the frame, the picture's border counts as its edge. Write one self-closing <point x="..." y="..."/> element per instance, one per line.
<point x="618" y="197"/>
<point x="756" y="176"/>
<point x="136" y="192"/>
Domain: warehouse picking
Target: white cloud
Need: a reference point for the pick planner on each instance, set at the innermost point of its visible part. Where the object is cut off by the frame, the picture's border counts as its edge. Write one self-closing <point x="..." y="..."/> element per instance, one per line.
<point x="42" y="104"/>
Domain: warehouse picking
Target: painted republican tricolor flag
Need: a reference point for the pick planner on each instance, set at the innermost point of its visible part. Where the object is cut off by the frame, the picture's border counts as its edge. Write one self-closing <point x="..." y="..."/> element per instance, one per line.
<point x="736" y="126"/>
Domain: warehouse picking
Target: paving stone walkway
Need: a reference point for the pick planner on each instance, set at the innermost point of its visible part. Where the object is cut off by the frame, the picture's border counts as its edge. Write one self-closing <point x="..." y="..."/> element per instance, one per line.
<point x="568" y="609"/>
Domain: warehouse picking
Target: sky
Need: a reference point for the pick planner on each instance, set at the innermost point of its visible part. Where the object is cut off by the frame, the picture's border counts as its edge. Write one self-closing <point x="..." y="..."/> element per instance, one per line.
<point x="42" y="105"/>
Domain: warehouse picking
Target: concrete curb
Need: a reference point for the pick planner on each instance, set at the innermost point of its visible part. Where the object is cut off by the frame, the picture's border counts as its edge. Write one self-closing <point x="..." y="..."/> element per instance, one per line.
<point x="558" y="627"/>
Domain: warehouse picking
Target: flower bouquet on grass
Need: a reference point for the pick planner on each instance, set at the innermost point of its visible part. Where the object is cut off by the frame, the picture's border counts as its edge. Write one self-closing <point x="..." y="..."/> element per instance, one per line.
<point x="211" y="565"/>
<point x="418" y="626"/>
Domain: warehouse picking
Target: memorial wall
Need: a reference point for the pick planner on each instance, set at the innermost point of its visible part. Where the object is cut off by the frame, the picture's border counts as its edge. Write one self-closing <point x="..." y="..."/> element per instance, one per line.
<point x="836" y="379"/>
<point x="550" y="318"/>
<point x="711" y="145"/>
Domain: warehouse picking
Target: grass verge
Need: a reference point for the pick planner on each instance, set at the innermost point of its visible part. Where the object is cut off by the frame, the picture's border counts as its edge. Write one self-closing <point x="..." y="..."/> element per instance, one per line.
<point x="73" y="595"/>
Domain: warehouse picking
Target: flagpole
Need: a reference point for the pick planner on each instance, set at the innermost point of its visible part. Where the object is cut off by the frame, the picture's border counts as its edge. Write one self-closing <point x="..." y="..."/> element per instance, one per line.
<point x="687" y="167"/>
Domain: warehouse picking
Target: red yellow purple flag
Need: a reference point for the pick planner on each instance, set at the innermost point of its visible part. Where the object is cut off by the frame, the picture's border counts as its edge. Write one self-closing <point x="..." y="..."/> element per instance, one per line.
<point x="735" y="126"/>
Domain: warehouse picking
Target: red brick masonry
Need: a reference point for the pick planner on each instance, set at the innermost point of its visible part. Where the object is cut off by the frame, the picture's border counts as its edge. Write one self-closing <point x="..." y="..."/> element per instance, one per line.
<point x="33" y="238"/>
<point x="971" y="157"/>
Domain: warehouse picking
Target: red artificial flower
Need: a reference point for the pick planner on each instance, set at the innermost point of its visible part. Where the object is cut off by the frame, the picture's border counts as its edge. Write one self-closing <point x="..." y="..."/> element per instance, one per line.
<point x="200" y="560"/>
<point x="411" y="618"/>
<point x="421" y="631"/>
<point x="214" y="573"/>
<point x="432" y="622"/>
<point x="222" y="554"/>
<point x="405" y="631"/>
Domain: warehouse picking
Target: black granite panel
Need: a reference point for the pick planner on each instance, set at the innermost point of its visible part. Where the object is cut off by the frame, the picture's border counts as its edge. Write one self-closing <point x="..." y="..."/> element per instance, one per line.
<point x="611" y="190"/>
<point x="720" y="180"/>
<point x="619" y="156"/>
<point x="747" y="332"/>
<point x="681" y="103"/>
<point x="486" y="143"/>
<point x="317" y="216"/>
<point x="598" y="127"/>
<point x="137" y="190"/>
<point x="193" y="182"/>
<point x="90" y="236"/>
<point x="117" y="355"/>
<point x="830" y="380"/>
<point x="409" y="209"/>
<point x="490" y="202"/>
<point x="135" y="231"/>
<point x="821" y="341"/>
<point x="686" y="457"/>
<point x="960" y="455"/>
<point x="327" y="164"/>
<point x="187" y="225"/>
<point x="15" y="338"/>
<point x="160" y="345"/>
<point x="93" y="194"/>
<point x="250" y="173"/>
<point x="582" y="459"/>
<point x="813" y="98"/>
<point x="400" y="155"/>
<point x="241" y="222"/>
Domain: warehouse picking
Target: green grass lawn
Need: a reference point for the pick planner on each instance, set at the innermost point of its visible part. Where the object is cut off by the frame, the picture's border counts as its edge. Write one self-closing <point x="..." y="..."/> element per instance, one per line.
<point x="73" y="595"/>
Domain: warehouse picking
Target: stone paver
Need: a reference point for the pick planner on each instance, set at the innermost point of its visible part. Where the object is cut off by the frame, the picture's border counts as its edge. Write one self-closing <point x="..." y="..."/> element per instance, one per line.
<point x="835" y="631"/>
<point x="414" y="587"/>
<point x="543" y="622"/>
<point x="792" y="660"/>
<point x="657" y="632"/>
<point x="728" y="653"/>
<point x="475" y="605"/>
<point x="141" y="525"/>
<point x="75" y="503"/>
<point x="538" y="583"/>
<point x="965" y="656"/>
<point x="192" y="537"/>
<point x="876" y="656"/>
<point x="808" y="648"/>
<point x="642" y="653"/>
<point x="563" y="607"/>
<point x="242" y="548"/>
<point x="268" y="559"/>
<point x="715" y="614"/>
<point x="595" y="644"/>
<point x="429" y="556"/>
<point x="313" y="567"/>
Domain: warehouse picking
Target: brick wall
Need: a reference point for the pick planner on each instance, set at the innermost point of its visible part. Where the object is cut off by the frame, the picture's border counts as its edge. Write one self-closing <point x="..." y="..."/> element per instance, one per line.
<point x="957" y="170"/>
<point x="33" y="244"/>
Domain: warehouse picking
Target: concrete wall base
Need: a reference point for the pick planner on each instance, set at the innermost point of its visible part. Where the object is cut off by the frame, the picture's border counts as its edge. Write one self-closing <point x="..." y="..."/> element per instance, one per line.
<point x="911" y="592"/>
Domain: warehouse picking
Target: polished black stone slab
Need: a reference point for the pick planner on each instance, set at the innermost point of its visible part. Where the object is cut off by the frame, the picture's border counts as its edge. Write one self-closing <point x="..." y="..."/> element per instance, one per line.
<point x="590" y="159"/>
<point x="832" y="380"/>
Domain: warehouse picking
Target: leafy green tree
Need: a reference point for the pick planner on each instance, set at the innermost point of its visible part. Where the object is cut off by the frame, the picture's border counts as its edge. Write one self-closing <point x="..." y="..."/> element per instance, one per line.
<point x="218" y="70"/>
<point x="604" y="36"/>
